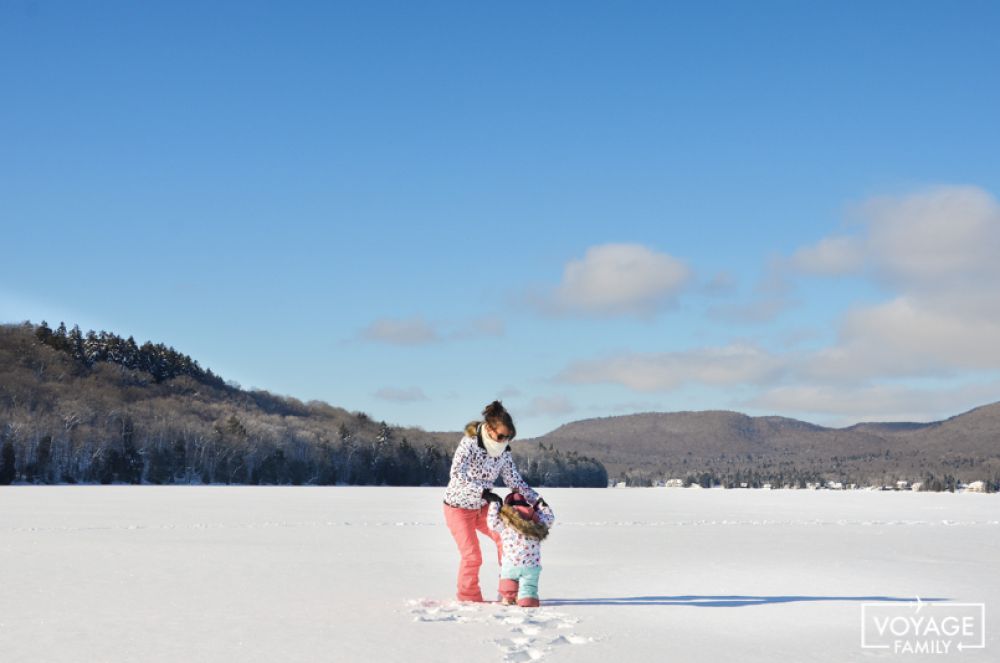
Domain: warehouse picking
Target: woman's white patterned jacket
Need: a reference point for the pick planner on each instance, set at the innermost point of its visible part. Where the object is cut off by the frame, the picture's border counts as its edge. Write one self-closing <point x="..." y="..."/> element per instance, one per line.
<point x="473" y="470"/>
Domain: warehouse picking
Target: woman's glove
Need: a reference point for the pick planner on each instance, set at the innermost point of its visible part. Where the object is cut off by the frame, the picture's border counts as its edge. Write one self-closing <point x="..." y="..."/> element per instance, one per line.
<point x="490" y="496"/>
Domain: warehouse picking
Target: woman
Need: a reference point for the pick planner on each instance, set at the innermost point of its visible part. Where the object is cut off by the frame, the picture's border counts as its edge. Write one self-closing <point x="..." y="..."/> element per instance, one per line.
<point x="482" y="455"/>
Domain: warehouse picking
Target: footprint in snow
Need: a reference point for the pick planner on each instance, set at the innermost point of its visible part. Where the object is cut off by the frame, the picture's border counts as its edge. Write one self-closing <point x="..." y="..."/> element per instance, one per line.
<point x="430" y="610"/>
<point x="533" y="632"/>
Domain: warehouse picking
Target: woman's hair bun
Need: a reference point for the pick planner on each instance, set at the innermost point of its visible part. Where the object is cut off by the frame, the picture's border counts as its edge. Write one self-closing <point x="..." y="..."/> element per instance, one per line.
<point x="494" y="410"/>
<point x="495" y="413"/>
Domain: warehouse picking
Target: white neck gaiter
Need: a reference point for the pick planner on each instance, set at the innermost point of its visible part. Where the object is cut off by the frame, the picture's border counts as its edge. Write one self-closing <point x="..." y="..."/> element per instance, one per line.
<point x="493" y="448"/>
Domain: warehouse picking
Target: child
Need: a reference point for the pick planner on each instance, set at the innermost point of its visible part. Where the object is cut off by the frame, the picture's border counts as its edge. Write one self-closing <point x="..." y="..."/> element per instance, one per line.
<point x="522" y="528"/>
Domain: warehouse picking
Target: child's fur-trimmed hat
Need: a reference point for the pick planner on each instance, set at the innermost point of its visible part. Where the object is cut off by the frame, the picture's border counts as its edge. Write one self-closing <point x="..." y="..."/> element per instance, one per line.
<point x="517" y="513"/>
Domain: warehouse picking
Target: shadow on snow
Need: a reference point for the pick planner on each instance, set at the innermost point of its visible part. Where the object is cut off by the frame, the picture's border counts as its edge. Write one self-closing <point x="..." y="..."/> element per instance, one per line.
<point x="727" y="600"/>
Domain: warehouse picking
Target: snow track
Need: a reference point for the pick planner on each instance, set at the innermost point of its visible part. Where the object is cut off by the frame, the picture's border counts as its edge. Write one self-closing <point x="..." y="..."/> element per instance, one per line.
<point x="530" y="633"/>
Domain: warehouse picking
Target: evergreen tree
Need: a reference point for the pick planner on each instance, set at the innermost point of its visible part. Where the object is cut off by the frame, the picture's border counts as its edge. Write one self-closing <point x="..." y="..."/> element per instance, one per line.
<point x="39" y="471"/>
<point x="130" y="357"/>
<point x="94" y="348"/>
<point x="130" y="469"/>
<point x="383" y="467"/>
<point x="160" y="469"/>
<point x="43" y="332"/>
<point x="8" y="469"/>
<point x="75" y="340"/>
<point x="327" y="475"/>
<point x="58" y="338"/>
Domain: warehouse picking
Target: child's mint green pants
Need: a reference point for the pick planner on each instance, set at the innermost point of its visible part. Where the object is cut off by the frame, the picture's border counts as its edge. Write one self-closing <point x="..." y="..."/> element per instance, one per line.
<point x="526" y="578"/>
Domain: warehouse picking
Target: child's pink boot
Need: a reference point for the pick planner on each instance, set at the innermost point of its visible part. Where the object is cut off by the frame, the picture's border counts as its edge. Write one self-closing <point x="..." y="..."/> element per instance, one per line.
<point x="508" y="591"/>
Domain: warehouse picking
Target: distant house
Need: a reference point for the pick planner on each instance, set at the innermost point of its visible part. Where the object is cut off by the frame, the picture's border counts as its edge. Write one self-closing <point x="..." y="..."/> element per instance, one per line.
<point x="675" y="483"/>
<point x="917" y="485"/>
<point x="902" y="484"/>
<point x="766" y="486"/>
<point x="976" y="487"/>
<point x="835" y="485"/>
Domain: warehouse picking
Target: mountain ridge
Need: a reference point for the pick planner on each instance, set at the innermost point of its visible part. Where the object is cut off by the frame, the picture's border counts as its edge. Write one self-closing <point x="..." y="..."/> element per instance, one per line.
<point x="96" y="408"/>
<point x="650" y="446"/>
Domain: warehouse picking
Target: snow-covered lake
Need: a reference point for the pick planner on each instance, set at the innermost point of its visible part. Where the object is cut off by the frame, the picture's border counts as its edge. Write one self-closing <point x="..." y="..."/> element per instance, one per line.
<point x="211" y="573"/>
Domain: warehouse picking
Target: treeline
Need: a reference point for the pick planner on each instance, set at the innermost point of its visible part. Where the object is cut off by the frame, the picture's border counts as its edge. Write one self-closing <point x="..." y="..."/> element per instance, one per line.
<point x="751" y="478"/>
<point x="950" y="483"/>
<point x="93" y="408"/>
<point x="234" y="451"/>
<point x="712" y="478"/>
<point x="545" y="466"/>
<point x="159" y="361"/>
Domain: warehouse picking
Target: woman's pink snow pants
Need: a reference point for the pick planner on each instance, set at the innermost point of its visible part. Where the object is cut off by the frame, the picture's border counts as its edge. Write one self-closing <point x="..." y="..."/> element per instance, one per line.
<point x="463" y="524"/>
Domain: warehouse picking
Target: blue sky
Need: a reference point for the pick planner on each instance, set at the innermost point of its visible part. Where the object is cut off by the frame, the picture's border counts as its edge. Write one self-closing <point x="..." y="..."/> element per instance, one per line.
<point x="585" y="208"/>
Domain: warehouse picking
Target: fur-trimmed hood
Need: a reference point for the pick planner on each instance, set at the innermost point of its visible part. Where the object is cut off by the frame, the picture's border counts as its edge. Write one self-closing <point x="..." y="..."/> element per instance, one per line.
<point x="529" y="528"/>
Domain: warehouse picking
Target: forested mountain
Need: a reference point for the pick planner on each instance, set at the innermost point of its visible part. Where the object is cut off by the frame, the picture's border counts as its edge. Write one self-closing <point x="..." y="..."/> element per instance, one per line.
<point x="729" y="448"/>
<point x="93" y="407"/>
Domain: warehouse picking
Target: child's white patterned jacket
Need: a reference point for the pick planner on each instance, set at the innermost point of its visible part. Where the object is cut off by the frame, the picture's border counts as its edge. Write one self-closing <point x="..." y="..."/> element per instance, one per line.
<point x="518" y="548"/>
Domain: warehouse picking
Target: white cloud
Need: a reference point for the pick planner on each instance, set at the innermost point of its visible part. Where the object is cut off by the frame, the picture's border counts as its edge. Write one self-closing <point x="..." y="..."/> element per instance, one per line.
<point x="939" y="251"/>
<point x="935" y="240"/>
<point x="938" y="239"/>
<point x="720" y="366"/>
<point x="883" y="402"/>
<point x="831" y="256"/>
<point x="548" y="406"/>
<point x="937" y="256"/>
<point x="758" y="310"/>
<point x="407" y="395"/>
<point x="417" y="331"/>
<point x="615" y="280"/>
<point x="412" y="331"/>
<point x="771" y="297"/>
<point x="629" y="407"/>
<point x="911" y="337"/>
<point x="479" y="328"/>
<point x="722" y="283"/>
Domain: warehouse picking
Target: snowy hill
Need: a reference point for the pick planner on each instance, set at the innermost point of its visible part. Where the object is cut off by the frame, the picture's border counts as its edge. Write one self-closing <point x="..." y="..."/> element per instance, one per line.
<point x="91" y="407"/>
<point x="735" y="447"/>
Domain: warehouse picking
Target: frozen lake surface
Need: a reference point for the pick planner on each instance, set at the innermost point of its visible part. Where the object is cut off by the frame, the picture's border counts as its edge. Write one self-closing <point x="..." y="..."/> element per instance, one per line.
<point x="212" y="573"/>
